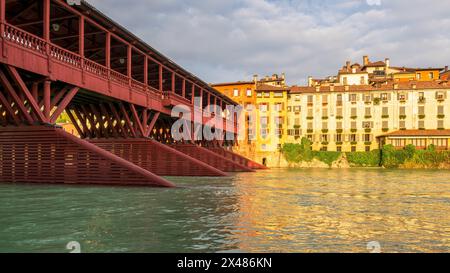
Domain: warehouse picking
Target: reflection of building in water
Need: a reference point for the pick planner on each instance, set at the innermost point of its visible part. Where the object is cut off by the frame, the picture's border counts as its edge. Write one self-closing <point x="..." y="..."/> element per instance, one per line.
<point x="285" y="213"/>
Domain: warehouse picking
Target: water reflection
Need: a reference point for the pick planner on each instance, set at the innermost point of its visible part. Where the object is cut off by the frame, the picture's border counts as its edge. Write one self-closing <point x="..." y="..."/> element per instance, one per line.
<point x="269" y="211"/>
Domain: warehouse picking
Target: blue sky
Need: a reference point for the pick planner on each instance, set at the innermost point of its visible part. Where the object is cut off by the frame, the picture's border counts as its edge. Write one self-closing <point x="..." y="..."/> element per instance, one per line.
<point x="229" y="40"/>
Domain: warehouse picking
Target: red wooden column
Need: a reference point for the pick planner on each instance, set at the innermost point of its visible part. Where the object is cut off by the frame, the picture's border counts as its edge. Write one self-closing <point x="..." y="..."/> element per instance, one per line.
<point x="47" y="107"/>
<point x="130" y="62"/>
<point x="46" y="19"/>
<point x="146" y="71"/>
<point x="2" y="24"/>
<point x="173" y="82"/>
<point x="108" y="50"/>
<point x="193" y="93"/>
<point x="184" y="88"/>
<point x="160" y="71"/>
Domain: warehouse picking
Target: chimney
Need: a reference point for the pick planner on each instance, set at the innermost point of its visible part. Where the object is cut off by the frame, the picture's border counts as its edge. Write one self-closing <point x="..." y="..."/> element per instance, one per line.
<point x="365" y="60"/>
<point x="255" y="78"/>
<point x="353" y="70"/>
<point x="388" y="63"/>
<point x="310" y="81"/>
<point x="347" y="65"/>
<point x="283" y="76"/>
<point x="446" y="68"/>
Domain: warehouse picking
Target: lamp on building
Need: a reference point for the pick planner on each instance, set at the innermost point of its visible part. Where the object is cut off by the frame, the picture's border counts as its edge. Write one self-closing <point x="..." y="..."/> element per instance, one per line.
<point x="122" y="61"/>
<point x="56" y="27"/>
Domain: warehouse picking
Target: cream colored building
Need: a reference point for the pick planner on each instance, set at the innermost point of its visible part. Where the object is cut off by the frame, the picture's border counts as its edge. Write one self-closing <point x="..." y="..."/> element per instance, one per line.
<point x="350" y="118"/>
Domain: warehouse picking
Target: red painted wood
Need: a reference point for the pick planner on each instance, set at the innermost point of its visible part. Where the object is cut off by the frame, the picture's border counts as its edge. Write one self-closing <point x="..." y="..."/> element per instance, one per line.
<point x="49" y="155"/>
<point x="211" y="158"/>
<point x="157" y="158"/>
<point x="237" y="158"/>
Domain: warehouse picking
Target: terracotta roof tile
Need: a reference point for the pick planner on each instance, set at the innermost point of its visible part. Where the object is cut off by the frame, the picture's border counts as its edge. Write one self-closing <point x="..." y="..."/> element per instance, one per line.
<point x="418" y="133"/>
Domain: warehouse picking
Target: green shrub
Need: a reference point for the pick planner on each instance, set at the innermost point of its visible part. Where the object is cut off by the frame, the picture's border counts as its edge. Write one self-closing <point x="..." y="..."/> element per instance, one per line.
<point x="364" y="159"/>
<point x="327" y="157"/>
<point x="297" y="153"/>
<point x="392" y="158"/>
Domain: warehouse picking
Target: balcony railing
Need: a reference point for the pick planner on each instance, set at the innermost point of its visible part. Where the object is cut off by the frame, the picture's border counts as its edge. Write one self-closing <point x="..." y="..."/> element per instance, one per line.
<point x="38" y="45"/>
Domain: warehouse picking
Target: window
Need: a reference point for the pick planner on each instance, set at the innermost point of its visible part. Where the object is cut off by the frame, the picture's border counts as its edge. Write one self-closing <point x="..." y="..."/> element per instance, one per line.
<point x="403" y="97"/>
<point x="249" y="92"/>
<point x="419" y="76"/>
<point x="440" y="110"/>
<point x="339" y="138"/>
<point x="385" y="97"/>
<point x="385" y="125"/>
<point x="310" y="113"/>
<point x="440" y="124"/>
<point x="278" y="94"/>
<point x="367" y="125"/>
<point x="421" y="124"/>
<point x="385" y="111"/>
<point x="297" y="122"/>
<point x="324" y="125"/>
<point x="440" y="96"/>
<point x="353" y="98"/>
<point x="339" y="126"/>
<point x="266" y="94"/>
<point x="310" y="126"/>
<point x="367" y="148"/>
<point x="310" y="100"/>
<point x="353" y="125"/>
<point x="259" y="95"/>
<point x="431" y="75"/>
<point x="363" y="80"/>
<point x="402" y="111"/>
<point x="297" y="109"/>
<point x="264" y="122"/>
<point x="353" y="149"/>
<point x="325" y="112"/>
<point x="263" y="107"/>
<point x="297" y="97"/>
<point x="324" y="99"/>
<point x="324" y="138"/>
<point x="297" y="132"/>
<point x="339" y="112"/>
<point x="421" y="110"/>
<point x="236" y="93"/>
<point x="353" y="138"/>
<point x="367" y="98"/>
<point x="368" y="112"/>
<point x="278" y="107"/>
<point x="339" y="100"/>
<point x="339" y="148"/>
<point x="402" y="125"/>
<point x="354" y="112"/>
<point x="368" y="138"/>
<point x="421" y="96"/>
<point x="289" y="109"/>
<point x="345" y="80"/>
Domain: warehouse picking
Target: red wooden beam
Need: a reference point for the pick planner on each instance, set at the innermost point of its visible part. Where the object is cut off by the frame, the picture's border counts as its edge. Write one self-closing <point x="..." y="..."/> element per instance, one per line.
<point x="23" y="87"/>
<point x="75" y="123"/>
<point x="118" y="119"/>
<point x="63" y="104"/>
<point x="127" y="120"/>
<point x="152" y="124"/>
<point x="92" y="122"/>
<point x="83" y="121"/>
<point x="137" y="120"/>
<point x="9" y="109"/>
<point x="100" y="121"/>
<point x="15" y="97"/>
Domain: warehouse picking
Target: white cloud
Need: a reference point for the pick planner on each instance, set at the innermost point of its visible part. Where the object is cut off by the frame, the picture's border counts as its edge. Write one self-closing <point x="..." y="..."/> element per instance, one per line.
<point x="231" y="40"/>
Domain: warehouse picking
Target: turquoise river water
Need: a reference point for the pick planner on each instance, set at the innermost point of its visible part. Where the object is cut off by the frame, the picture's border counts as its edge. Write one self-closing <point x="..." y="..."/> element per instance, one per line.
<point x="268" y="211"/>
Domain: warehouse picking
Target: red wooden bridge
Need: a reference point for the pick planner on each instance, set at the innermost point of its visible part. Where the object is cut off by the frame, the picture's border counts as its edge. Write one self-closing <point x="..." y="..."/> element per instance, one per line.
<point x="56" y="57"/>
